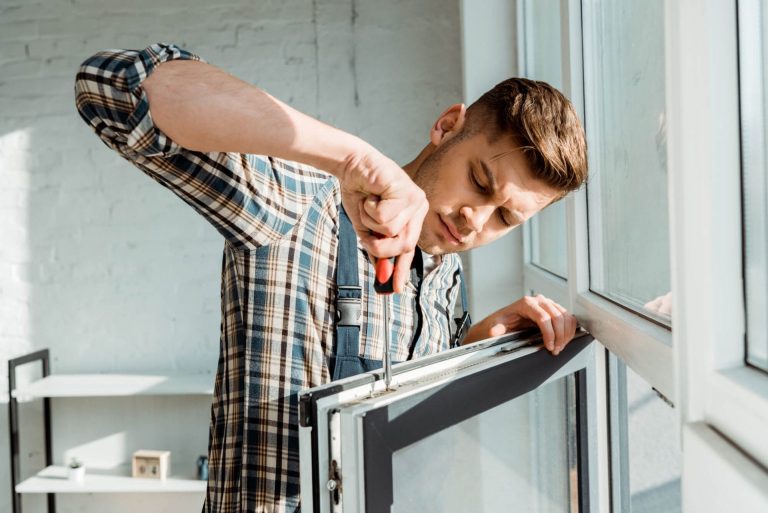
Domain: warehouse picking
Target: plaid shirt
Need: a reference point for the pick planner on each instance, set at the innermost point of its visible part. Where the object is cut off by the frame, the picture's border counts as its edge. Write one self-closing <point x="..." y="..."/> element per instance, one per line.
<point x="280" y="223"/>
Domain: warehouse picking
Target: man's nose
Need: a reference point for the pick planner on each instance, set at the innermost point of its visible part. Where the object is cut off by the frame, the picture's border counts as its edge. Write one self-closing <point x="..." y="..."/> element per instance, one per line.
<point x="476" y="217"/>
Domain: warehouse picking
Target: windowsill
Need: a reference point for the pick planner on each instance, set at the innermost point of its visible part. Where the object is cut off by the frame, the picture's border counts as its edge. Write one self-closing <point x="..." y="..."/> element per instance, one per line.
<point x="737" y="405"/>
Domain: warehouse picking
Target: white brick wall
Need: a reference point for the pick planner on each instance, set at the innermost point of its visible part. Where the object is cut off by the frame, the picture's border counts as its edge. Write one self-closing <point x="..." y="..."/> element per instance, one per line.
<point x="109" y="270"/>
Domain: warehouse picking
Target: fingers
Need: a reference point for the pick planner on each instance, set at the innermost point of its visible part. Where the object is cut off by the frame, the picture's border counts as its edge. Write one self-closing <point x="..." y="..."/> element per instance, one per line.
<point x="390" y="237"/>
<point x="497" y="330"/>
<point x="402" y="271"/>
<point x="557" y="325"/>
<point x="571" y="324"/>
<point x="385" y="217"/>
<point x="394" y="236"/>
<point x="557" y="321"/>
<point x="543" y="320"/>
<point x="386" y="208"/>
<point x="385" y="247"/>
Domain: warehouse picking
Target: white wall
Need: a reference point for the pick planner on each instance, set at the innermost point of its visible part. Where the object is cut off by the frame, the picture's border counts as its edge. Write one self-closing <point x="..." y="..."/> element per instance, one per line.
<point x="110" y="271"/>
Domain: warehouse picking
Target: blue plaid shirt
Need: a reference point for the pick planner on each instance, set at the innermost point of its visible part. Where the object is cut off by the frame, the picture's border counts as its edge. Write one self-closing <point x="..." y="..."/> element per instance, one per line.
<point x="280" y="222"/>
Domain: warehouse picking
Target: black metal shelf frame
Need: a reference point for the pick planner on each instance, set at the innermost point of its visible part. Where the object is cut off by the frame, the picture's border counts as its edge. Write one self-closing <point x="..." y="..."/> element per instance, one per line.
<point x="13" y="420"/>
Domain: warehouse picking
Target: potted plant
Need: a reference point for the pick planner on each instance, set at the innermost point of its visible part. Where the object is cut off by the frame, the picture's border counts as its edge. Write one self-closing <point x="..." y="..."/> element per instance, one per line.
<point x="76" y="470"/>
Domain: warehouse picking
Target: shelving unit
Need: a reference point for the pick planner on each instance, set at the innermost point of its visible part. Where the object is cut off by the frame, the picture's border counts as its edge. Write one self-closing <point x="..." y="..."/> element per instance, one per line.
<point x="114" y="385"/>
<point x="53" y="479"/>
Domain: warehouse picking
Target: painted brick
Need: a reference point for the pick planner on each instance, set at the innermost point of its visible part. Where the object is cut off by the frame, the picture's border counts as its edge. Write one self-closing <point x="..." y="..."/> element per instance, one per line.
<point x="19" y="30"/>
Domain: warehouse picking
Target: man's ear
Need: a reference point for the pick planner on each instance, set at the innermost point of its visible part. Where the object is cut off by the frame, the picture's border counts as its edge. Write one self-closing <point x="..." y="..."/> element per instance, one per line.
<point x="448" y="124"/>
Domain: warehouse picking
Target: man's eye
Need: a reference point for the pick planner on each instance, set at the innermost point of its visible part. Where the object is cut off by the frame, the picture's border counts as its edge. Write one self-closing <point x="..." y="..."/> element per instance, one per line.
<point x="506" y="222"/>
<point x="476" y="182"/>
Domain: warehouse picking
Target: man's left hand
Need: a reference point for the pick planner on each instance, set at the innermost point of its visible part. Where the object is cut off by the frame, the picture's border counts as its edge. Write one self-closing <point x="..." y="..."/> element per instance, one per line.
<point x="557" y="325"/>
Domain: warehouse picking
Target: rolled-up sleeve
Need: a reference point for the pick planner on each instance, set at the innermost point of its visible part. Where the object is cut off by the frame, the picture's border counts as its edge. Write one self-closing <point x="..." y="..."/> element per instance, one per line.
<point x="251" y="200"/>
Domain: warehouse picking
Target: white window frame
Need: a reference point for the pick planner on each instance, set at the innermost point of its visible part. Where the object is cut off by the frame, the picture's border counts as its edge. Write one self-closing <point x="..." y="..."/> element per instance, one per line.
<point x="573" y="293"/>
<point x="535" y="278"/>
<point x="538" y="278"/>
<point x="724" y="406"/>
<point x="722" y="402"/>
<point x="471" y="379"/>
<point x="753" y="136"/>
<point x="645" y="346"/>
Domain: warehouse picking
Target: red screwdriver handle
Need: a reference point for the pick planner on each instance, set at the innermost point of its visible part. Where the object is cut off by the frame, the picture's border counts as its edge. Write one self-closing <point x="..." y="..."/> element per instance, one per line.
<point x="385" y="276"/>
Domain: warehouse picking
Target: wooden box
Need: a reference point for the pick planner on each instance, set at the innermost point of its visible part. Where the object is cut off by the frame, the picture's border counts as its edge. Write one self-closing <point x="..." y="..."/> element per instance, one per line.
<point x="151" y="464"/>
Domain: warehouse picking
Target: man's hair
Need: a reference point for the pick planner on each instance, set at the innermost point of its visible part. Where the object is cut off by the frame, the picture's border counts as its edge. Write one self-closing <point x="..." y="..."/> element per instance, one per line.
<point x="544" y="125"/>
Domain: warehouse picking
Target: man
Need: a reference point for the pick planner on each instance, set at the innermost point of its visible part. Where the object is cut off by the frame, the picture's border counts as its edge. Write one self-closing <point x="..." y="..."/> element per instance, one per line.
<point x="273" y="181"/>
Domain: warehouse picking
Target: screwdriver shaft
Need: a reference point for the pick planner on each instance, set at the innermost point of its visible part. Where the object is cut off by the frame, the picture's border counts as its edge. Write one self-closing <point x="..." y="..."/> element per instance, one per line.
<point x="387" y="361"/>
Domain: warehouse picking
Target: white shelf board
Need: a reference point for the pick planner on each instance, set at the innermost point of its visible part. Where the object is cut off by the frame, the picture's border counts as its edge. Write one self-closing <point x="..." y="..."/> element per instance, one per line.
<point x="54" y="479"/>
<point x="115" y="385"/>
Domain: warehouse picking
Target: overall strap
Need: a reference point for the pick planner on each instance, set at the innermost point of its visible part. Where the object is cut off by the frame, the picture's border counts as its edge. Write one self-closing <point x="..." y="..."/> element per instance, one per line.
<point x="464" y="297"/>
<point x="348" y="291"/>
<point x="465" y="321"/>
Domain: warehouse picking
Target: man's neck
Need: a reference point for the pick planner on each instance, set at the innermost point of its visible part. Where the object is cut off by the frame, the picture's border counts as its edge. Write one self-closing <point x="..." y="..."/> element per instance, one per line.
<point x="430" y="262"/>
<point x="415" y="164"/>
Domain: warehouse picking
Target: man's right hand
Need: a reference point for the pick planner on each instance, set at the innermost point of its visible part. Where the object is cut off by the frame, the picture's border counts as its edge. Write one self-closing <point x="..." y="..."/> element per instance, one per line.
<point x="386" y="208"/>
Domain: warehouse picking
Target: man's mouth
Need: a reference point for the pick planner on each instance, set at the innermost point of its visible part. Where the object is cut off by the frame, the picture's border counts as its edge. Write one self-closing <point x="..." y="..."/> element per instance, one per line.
<point x="450" y="232"/>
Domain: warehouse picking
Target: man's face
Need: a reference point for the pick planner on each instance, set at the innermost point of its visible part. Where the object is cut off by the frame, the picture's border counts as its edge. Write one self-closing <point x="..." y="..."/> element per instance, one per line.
<point x="477" y="191"/>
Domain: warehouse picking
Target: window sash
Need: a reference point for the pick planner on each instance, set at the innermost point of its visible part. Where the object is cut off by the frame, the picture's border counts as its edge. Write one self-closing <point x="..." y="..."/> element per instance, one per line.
<point x="602" y="117"/>
<point x="351" y="421"/>
<point x="754" y="114"/>
<point x="705" y="372"/>
<point x="643" y="345"/>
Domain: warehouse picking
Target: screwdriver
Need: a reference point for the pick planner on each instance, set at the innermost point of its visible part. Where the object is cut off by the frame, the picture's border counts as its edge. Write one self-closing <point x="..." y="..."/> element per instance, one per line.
<point x="384" y="284"/>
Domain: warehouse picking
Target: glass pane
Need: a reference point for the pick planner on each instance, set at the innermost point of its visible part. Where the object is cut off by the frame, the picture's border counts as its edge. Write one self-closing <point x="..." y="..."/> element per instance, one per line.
<point x="625" y="121"/>
<point x="647" y="476"/>
<point x="549" y="240"/>
<point x="654" y="450"/>
<point x="753" y="23"/>
<point x="512" y="457"/>
<point x="543" y="45"/>
<point x="543" y="61"/>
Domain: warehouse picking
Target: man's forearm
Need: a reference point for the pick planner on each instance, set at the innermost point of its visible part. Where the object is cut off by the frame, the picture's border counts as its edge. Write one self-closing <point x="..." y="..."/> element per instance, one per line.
<point x="203" y="108"/>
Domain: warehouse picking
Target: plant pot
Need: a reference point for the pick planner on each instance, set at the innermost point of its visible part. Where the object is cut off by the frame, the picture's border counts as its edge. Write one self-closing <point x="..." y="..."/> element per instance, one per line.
<point x="76" y="474"/>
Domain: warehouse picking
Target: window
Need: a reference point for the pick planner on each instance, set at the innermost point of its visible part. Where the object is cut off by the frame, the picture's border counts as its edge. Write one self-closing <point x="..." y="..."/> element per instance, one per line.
<point x="754" y="116"/>
<point x="611" y="59"/>
<point x="625" y="122"/>
<point x="678" y="86"/>
<point x="715" y="68"/>
<point x="497" y="458"/>
<point x="477" y="429"/>
<point x="541" y="58"/>
<point x="645" y="448"/>
<point x="549" y="240"/>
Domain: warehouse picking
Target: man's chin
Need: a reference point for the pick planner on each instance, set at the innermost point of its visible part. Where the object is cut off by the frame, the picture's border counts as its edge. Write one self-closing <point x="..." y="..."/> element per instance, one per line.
<point x="434" y="248"/>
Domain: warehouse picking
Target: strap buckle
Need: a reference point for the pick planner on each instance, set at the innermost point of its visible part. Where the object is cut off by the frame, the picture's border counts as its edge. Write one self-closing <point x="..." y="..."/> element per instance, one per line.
<point x="462" y="328"/>
<point x="349" y="305"/>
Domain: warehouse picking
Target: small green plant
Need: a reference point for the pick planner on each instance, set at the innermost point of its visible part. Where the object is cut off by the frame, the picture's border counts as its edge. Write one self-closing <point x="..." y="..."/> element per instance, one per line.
<point x="75" y="463"/>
